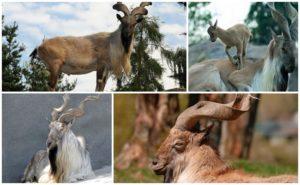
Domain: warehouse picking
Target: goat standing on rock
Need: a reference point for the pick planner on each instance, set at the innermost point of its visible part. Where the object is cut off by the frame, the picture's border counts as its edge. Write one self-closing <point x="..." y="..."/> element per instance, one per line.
<point x="236" y="36"/>
<point x="277" y="71"/>
<point x="102" y="52"/>
<point x="186" y="156"/>
<point x="66" y="158"/>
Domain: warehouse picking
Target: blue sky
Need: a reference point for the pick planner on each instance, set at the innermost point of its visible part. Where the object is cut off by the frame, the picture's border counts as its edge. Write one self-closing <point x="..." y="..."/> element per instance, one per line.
<point x="39" y="20"/>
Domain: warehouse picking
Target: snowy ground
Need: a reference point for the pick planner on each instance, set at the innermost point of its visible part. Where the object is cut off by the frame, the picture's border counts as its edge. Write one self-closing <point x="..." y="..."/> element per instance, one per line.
<point x="103" y="175"/>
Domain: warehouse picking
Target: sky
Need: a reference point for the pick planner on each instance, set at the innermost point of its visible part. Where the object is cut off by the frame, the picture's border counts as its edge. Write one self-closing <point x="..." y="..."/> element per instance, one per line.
<point x="228" y="13"/>
<point x="46" y="20"/>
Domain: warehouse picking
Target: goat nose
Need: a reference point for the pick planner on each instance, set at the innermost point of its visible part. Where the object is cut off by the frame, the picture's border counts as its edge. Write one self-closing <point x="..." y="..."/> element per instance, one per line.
<point x="154" y="161"/>
<point x="48" y="143"/>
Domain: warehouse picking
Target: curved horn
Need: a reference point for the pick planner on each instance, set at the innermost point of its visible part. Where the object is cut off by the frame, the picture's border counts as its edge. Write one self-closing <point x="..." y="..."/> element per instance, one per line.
<point x="293" y="16"/>
<point x="207" y="109"/>
<point x="141" y="10"/>
<point x="143" y="4"/>
<point x="60" y="109"/>
<point x="281" y="21"/>
<point x="121" y="7"/>
<point x="76" y="112"/>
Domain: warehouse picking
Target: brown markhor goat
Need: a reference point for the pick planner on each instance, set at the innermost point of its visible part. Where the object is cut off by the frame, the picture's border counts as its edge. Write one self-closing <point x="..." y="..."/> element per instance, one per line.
<point x="186" y="156"/>
<point x="236" y="36"/>
<point x="102" y="52"/>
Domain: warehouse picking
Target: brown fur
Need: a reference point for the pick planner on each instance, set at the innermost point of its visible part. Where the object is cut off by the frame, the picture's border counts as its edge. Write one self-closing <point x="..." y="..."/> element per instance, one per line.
<point x="186" y="156"/>
<point x="202" y="163"/>
<point x="269" y="74"/>
<point x="236" y="36"/>
<point x="102" y="52"/>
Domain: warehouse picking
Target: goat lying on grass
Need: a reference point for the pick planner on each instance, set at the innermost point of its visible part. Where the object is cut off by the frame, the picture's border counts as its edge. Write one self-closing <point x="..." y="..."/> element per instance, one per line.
<point x="102" y="52"/>
<point x="186" y="156"/>
<point x="66" y="158"/>
<point x="236" y="36"/>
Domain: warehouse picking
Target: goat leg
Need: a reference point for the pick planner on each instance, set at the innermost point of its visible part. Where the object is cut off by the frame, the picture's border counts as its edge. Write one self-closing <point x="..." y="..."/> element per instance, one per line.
<point x="229" y="56"/>
<point x="240" y="56"/>
<point x="54" y="74"/>
<point x="102" y="75"/>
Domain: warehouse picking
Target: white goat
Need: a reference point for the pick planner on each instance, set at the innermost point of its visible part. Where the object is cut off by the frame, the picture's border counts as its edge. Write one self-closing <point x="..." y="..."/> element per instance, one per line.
<point x="66" y="158"/>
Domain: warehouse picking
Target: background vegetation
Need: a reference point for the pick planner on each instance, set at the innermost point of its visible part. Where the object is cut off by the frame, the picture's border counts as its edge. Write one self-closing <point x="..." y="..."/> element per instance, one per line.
<point x="18" y="75"/>
<point x="268" y="156"/>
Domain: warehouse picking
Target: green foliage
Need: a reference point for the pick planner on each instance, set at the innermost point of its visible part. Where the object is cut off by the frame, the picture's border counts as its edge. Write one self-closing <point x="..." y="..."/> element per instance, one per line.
<point x="264" y="170"/>
<point x="36" y="69"/>
<point x="259" y="20"/>
<point x="11" y="57"/>
<point x="199" y="18"/>
<point x="176" y="61"/>
<point x="33" y="76"/>
<point x="146" y="71"/>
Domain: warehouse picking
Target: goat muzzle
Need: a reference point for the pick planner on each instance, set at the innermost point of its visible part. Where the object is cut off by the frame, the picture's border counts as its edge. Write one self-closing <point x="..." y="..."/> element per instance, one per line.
<point x="158" y="167"/>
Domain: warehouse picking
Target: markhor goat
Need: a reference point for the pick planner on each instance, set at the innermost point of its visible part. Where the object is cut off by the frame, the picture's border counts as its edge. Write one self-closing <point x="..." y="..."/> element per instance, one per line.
<point x="102" y="52"/>
<point x="66" y="158"/>
<point x="268" y="74"/>
<point x="236" y="36"/>
<point x="186" y="156"/>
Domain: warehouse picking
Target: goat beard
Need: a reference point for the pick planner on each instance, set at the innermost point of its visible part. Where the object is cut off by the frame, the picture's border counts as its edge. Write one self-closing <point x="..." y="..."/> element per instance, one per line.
<point x="52" y="154"/>
<point x="126" y="40"/>
<point x="282" y="86"/>
<point x="168" y="177"/>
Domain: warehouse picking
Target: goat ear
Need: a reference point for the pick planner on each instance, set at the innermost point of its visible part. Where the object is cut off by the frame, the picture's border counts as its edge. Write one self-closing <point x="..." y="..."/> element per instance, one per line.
<point x="274" y="35"/>
<point x="119" y="17"/>
<point x="216" y="23"/>
<point x="203" y="135"/>
<point x="208" y="129"/>
<point x="210" y="23"/>
<point x="68" y="124"/>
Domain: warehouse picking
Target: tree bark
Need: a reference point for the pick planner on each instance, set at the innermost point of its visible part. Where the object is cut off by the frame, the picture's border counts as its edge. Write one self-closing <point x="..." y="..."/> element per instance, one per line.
<point x="155" y="115"/>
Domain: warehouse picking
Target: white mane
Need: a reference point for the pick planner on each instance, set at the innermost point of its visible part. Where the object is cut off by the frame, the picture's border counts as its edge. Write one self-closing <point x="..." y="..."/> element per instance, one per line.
<point x="269" y="77"/>
<point x="72" y="160"/>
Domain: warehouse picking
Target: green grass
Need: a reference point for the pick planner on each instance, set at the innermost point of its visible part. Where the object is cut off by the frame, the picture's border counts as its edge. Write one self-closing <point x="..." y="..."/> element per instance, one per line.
<point x="264" y="170"/>
<point x="136" y="175"/>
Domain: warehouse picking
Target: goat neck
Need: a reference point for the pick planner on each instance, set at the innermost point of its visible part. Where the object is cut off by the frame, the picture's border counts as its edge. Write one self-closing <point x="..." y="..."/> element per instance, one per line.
<point x="118" y="53"/>
<point x="71" y="157"/>
<point x="224" y="36"/>
<point x="201" y="163"/>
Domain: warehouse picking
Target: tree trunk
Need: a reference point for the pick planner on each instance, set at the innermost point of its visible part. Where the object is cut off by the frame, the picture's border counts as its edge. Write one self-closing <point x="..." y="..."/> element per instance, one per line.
<point x="248" y="135"/>
<point x="237" y="134"/>
<point x="155" y="114"/>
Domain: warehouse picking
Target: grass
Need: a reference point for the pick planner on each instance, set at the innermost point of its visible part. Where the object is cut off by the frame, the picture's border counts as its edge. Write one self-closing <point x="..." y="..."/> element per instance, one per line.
<point x="263" y="169"/>
<point x="138" y="175"/>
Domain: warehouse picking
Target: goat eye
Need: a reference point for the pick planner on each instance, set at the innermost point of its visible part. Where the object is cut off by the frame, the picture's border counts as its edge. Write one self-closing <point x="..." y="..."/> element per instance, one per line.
<point x="179" y="146"/>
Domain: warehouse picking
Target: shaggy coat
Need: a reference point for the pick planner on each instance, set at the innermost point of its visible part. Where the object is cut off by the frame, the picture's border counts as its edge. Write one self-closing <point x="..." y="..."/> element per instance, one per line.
<point x="186" y="156"/>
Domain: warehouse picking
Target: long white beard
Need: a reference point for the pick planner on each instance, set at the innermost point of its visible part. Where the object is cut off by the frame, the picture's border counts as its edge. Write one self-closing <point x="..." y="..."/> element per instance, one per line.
<point x="72" y="160"/>
<point x="269" y="77"/>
